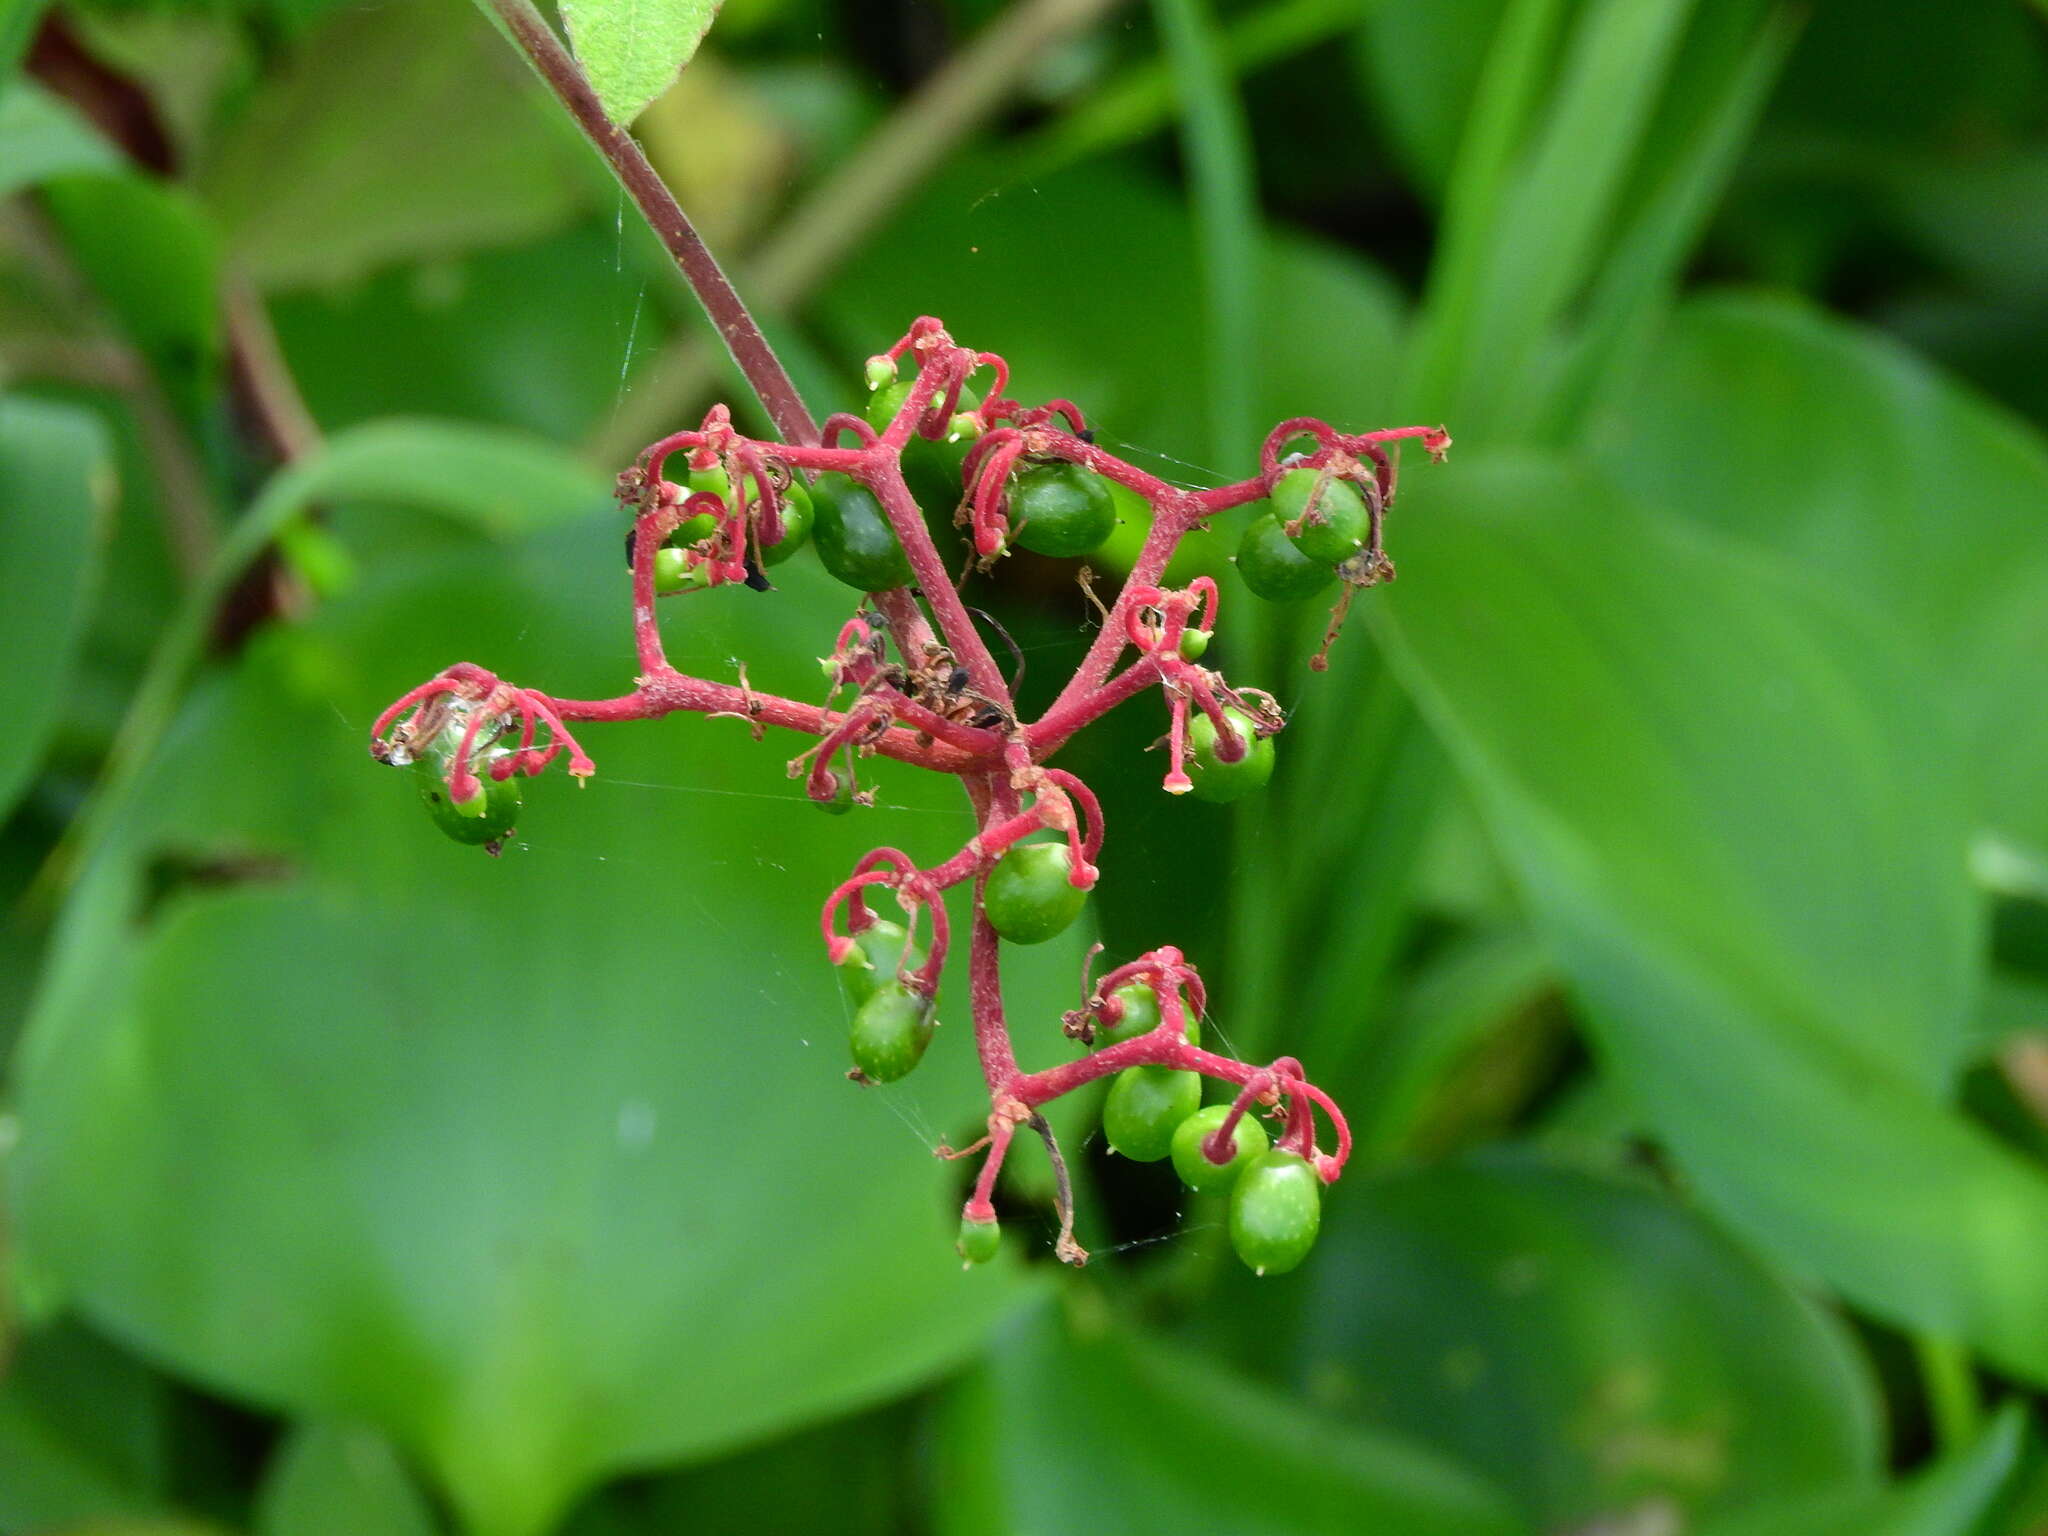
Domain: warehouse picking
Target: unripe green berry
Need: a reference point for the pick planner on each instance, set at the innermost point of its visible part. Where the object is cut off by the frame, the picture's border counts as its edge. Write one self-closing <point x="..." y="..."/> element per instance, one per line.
<point x="1338" y="524"/>
<point x="488" y="817"/>
<point x="879" y="952"/>
<point x="855" y="541"/>
<point x="1140" y="1014"/>
<point x="1145" y="1107"/>
<point x="1194" y="643"/>
<point x="1060" y="510"/>
<point x="890" y="1032"/>
<point x="932" y="469"/>
<point x="979" y="1240"/>
<point x="674" y="571"/>
<point x="1216" y="780"/>
<point x="1276" y="1209"/>
<point x="879" y="370"/>
<point x="793" y="501"/>
<point x="1029" y="897"/>
<point x="1193" y="1165"/>
<point x="1274" y="569"/>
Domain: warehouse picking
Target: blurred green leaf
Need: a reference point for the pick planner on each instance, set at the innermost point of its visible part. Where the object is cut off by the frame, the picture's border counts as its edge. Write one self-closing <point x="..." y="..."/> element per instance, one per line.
<point x="1737" y="813"/>
<point x="1094" y="1428"/>
<point x="393" y="133"/>
<point x="853" y="1477"/>
<point x="632" y="50"/>
<point x="148" y="250"/>
<point x="18" y="21"/>
<point x="1855" y="459"/>
<point x="1422" y="61"/>
<point x="503" y="482"/>
<point x="336" y="1480"/>
<point x="1585" y="1343"/>
<point x="56" y="479"/>
<point x="546" y="1167"/>
<point x="1555" y="214"/>
<point x="41" y="136"/>
<point x="82" y="1432"/>
<point x="1119" y="252"/>
<point x="1949" y="1498"/>
<point x="1223" y="199"/>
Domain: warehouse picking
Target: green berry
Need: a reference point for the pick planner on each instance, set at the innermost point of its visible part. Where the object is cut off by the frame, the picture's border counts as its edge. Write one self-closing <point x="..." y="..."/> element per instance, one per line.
<point x="1193" y="1165"/>
<point x="854" y="537"/>
<point x="890" y="1031"/>
<point x="1338" y="525"/>
<point x="979" y="1240"/>
<point x="1029" y="897"/>
<point x="879" y="951"/>
<point x="487" y="818"/>
<point x="674" y="572"/>
<point x="795" y="505"/>
<point x="1194" y="643"/>
<point x="1274" y="569"/>
<point x="1140" y="1015"/>
<point x="1275" y="1211"/>
<point x="1060" y="509"/>
<point x="1145" y="1107"/>
<point x="1218" y="781"/>
<point x="931" y="467"/>
<point x="798" y="514"/>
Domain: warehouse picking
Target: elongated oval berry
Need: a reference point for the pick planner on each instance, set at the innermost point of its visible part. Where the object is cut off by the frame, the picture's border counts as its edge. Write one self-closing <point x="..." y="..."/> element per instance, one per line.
<point x="1145" y="1107"/>
<point x="879" y="951"/>
<point x="979" y="1240"/>
<point x="1193" y="1165"/>
<point x="1030" y="897"/>
<point x="1060" y="510"/>
<point x="1218" y="781"/>
<point x="1334" y="528"/>
<point x="890" y="1031"/>
<point x="1276" y="1209"/>
<point x="1274" y="569"/>
<point x="854" y="538"/>
<point x="488" y="818"/>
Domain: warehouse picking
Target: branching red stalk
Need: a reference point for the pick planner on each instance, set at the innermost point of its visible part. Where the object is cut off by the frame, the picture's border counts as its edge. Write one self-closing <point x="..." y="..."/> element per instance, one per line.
<point x="907" y="708"/>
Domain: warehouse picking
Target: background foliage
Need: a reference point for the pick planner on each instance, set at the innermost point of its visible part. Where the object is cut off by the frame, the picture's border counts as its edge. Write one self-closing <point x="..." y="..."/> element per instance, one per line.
<point x="1659" y="875"/>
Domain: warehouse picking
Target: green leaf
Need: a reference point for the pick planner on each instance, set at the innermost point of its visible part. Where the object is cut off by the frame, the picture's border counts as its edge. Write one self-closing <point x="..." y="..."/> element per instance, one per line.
<point x="18" y="22"/>
<point x="1095" y="1428"/>
<point x="392" y="134"/>
<point x="1881" y="477"/>
<point x="41" y="136"/>
<point x="1735" y="809"/>
<point x="545" y="1167"/>
<point x="1950" y="1498"/>
<point x="56" y="480"/>
<point x="632" y="50"/>
<point x="150" y="253"/>
<point x="1585" y="1343"/>
<point x="334" y="1480"/>
<point x="82" y="1432"/>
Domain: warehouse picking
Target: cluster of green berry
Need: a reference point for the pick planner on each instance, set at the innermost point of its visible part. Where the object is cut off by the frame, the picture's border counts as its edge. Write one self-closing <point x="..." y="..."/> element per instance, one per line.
<point x="932" y="470"/>
<point x="1156" y="1112"/>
